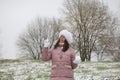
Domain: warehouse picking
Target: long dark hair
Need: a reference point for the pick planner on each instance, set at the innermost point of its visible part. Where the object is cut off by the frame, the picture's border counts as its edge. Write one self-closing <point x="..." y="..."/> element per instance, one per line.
<point x="65" y="46"/>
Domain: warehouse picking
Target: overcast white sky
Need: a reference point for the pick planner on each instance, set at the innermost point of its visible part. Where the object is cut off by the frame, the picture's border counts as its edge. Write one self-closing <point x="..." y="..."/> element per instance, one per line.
<point x="16" y="14"/>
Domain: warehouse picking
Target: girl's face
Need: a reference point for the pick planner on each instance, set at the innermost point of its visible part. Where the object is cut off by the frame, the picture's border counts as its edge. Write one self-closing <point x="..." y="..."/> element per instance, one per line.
<point x="62" y="39"/>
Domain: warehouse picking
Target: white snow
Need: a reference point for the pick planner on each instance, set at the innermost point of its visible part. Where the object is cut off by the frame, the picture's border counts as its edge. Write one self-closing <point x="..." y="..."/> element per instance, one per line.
<point x="39" y="70"/>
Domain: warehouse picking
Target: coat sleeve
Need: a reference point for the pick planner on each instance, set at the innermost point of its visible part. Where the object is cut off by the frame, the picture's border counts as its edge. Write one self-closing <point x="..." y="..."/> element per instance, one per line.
<point x="72" y="59"/>
<point x="46" y="54"/>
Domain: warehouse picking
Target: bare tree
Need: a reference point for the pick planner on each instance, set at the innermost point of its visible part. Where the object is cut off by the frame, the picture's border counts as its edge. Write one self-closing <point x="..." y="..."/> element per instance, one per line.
<point x="116" y="49"/>
<point x="31" y="41"/>
<point x="89" y="19"/>
<point x="105" y="46"/>
<point x="107" y="41"/>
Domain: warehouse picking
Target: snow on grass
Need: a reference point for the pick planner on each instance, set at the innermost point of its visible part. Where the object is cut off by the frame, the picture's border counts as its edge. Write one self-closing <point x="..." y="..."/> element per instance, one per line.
<point x="98" y="71"/>
<point x="39" y="70"/>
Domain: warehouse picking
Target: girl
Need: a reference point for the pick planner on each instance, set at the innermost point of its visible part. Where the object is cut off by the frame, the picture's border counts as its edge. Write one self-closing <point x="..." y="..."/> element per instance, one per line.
<point x="62" y="56"/>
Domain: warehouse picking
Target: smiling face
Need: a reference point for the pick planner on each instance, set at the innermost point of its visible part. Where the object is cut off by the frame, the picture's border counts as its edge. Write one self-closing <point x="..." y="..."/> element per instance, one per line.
<point x="62" y="39"/>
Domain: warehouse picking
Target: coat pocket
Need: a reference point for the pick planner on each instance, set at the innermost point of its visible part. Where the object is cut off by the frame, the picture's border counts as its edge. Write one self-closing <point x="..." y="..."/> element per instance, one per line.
<point x="68" y="66"/>
<point x="53" y="66"/>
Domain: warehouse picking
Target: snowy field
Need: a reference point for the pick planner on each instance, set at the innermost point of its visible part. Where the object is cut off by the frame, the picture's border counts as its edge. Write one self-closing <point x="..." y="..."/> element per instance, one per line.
<point x="38" y="70"/>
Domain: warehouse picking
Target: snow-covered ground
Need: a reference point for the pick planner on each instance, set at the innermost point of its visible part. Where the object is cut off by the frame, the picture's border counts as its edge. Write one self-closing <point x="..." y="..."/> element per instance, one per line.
<point x="38" y="70"/>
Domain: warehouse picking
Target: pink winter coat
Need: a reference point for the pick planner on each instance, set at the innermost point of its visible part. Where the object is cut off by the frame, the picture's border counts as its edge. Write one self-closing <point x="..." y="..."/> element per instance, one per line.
<point x="62" y="63"/>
